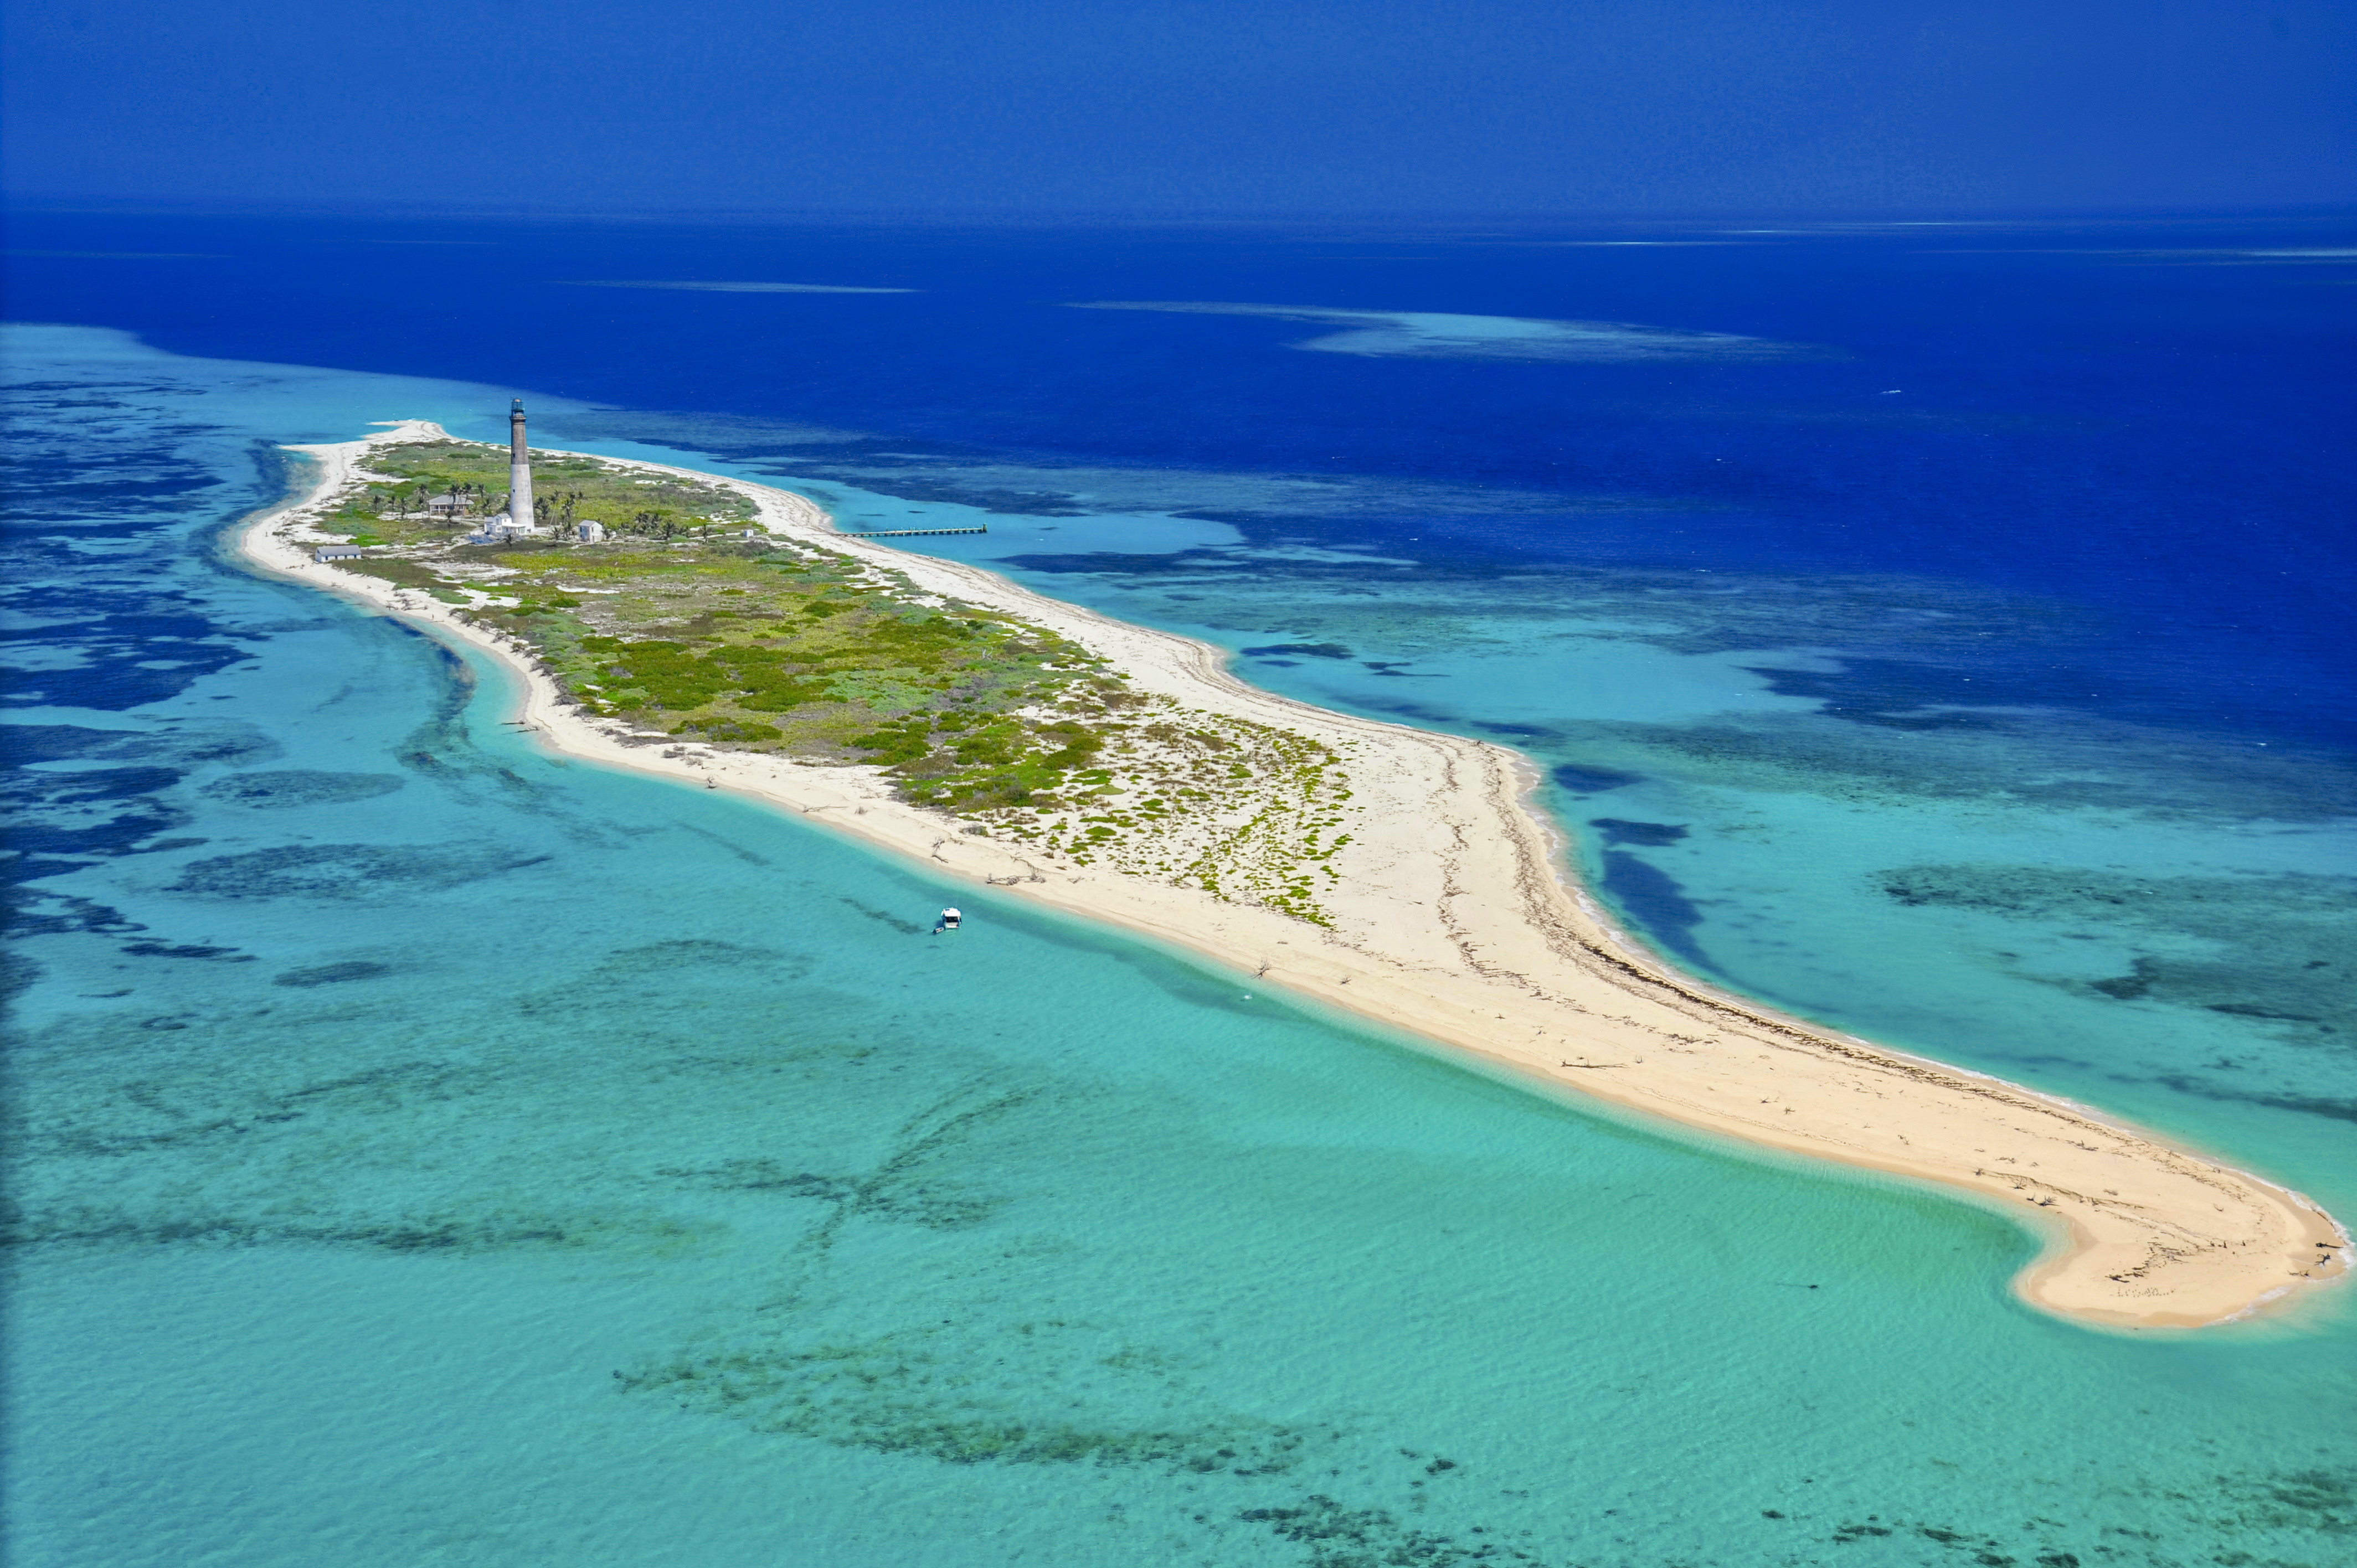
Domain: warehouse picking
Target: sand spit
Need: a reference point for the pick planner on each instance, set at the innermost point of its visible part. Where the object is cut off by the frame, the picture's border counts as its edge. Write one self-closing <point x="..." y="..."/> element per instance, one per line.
<point x="1454" y="919"/>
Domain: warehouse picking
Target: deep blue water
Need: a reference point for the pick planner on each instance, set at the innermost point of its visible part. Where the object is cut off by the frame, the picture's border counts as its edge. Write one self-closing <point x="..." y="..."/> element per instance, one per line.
<point x="1957" y="653"/>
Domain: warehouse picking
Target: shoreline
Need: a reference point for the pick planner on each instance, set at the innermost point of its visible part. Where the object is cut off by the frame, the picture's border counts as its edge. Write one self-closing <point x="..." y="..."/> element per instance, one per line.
<point x="1458" y="922"/>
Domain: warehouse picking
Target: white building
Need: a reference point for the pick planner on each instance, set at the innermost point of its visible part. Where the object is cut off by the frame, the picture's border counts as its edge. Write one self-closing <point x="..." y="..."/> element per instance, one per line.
<point x="501" y="529"/>
<point x="588" y="531"/>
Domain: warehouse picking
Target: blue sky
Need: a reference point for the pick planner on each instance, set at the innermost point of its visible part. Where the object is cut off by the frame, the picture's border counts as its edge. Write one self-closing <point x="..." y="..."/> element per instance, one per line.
<point x="1214" y="106"/>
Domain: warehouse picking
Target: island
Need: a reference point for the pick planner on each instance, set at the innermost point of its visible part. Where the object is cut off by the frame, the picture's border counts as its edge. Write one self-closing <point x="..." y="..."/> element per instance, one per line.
<point x="722" y="633"/>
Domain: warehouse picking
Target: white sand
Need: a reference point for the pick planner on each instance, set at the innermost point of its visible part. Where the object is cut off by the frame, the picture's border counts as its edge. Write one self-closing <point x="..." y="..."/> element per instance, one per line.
<point x="1454" y="919"/>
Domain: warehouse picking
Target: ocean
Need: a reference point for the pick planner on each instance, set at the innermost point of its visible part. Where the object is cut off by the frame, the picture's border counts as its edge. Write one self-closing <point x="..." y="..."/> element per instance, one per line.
<point x="427" y="1150"/>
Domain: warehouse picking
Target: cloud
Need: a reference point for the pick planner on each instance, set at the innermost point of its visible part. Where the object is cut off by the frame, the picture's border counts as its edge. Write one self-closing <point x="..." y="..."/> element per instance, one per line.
<point x="742" y="287"/>
<point x="1431" y="335"/>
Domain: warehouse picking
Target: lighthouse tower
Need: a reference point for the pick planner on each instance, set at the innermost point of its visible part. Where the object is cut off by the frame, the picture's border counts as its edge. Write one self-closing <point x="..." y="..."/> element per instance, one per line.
<point x="519" y="470"/>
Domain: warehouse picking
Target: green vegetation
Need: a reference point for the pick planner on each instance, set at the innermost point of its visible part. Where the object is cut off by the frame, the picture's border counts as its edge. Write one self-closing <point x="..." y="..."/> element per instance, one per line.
<point x="801" y="652"/>
<point x="396" y="507"/>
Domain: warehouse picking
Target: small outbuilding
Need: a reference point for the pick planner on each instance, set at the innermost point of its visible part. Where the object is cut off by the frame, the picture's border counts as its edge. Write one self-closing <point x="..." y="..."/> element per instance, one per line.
<point x="338" y="553"/>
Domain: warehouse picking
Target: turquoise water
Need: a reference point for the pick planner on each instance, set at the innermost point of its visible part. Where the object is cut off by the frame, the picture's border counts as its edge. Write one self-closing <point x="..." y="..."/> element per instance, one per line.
<point x="432" y="1151"/>
<point x="2155" y="921"/>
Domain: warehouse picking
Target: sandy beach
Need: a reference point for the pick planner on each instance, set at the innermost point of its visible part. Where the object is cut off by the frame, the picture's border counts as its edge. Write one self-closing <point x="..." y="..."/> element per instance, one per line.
<point x="1455" y="919"/>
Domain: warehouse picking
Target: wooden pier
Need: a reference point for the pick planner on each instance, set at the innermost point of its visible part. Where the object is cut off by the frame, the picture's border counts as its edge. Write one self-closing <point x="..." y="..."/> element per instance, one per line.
<point x="906" y="532"/>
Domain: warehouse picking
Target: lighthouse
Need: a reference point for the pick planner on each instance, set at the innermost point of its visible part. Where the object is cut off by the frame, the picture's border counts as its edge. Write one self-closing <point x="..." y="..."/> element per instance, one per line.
<point x="519" y="470"/>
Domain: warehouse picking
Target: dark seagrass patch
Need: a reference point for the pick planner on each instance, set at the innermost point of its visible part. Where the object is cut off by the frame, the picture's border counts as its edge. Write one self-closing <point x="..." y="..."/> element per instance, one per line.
<point x="299" y="787"/>
<point x="341" y="871"/>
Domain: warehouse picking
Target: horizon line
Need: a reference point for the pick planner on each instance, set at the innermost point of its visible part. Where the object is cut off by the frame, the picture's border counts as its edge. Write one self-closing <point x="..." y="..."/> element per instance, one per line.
<point x="1924" y="216"/>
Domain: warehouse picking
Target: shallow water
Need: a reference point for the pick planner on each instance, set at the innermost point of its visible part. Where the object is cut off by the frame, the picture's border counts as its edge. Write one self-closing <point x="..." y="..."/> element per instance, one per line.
<point x="430" y="1151"/>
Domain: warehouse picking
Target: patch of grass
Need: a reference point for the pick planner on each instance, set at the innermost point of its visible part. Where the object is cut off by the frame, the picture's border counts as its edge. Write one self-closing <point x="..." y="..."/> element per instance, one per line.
<point x="404" y="574"/>
<point x="392" y="504"/>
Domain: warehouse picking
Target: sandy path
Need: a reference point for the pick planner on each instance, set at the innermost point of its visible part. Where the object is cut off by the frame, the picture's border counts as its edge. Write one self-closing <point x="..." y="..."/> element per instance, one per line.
<point x="1454" y="920"/>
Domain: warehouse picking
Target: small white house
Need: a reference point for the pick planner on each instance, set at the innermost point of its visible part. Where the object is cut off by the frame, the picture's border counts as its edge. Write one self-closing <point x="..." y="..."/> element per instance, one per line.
<point x="337" y="553"/>
<point x="588" y="531"/>
<point x="499" y="529"/>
